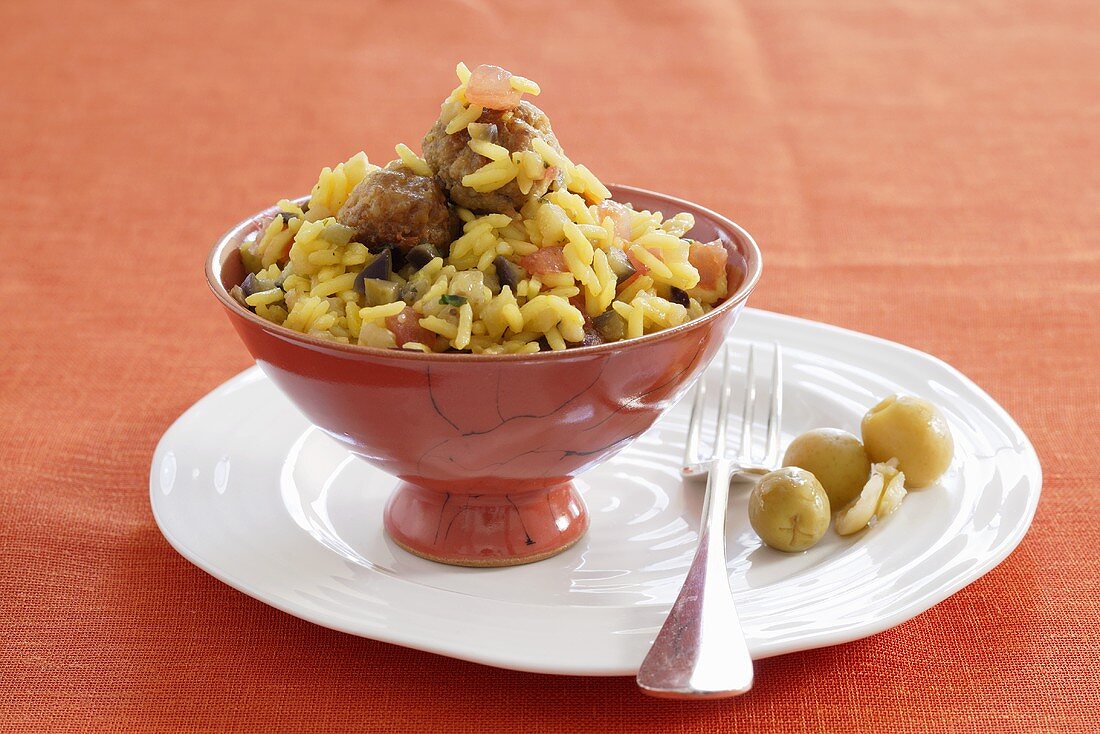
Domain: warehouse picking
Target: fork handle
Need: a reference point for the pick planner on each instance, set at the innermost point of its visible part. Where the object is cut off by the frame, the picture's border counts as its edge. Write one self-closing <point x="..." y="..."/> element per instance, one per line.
<point x="700" y="651"/>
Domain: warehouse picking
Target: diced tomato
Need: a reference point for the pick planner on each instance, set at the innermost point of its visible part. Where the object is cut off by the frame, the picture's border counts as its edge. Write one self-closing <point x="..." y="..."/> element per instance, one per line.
<point x="406" y="328"/>
<point x="491" y="87"/>
<point x="546" y="260"/>
<point x="710" y="260"/>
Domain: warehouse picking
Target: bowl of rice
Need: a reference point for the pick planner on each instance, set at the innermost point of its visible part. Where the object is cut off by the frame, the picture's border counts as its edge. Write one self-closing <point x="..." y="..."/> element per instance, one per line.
<point x="484" y="321"/>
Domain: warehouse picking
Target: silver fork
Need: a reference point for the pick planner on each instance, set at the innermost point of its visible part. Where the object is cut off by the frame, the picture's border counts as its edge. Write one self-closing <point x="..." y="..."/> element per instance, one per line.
<point x="700" y="651"/>
<point x="745" y="466"/>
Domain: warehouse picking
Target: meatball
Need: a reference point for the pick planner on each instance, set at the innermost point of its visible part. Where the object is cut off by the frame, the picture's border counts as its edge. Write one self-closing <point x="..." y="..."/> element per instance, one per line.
<point x="395" y="207"/>
<point x="451" y="158"/>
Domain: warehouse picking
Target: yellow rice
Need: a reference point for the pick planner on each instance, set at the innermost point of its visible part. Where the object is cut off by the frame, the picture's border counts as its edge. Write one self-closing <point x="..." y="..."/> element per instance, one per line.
<point x="315" y="269"/>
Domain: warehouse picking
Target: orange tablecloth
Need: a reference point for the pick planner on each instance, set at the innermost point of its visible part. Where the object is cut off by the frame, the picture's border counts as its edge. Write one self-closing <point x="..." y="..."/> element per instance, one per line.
<point x="926" y="172"/>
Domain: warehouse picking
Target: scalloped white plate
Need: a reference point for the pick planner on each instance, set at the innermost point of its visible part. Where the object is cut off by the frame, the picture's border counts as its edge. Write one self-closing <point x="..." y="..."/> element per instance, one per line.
<point x="246" y="489"/>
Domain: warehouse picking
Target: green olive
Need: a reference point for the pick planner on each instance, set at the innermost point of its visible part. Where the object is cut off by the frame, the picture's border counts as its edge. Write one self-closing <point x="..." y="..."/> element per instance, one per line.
<point x="914" y="432"/>
<point x="789" y="510"/>
<point x="836" y="458"/>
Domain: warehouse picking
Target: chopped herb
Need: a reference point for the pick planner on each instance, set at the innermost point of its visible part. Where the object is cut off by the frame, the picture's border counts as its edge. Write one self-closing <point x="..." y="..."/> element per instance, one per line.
<point x="452" y="300"/>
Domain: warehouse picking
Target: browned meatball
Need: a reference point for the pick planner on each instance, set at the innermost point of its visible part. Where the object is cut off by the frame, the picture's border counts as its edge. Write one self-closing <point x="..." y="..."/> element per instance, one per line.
<point x="451" y="158"/>
<point x="394" y="206"/>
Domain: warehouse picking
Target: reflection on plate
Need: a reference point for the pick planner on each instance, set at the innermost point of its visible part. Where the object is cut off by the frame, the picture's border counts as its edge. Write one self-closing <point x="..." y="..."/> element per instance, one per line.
<point x="273" y="507"/>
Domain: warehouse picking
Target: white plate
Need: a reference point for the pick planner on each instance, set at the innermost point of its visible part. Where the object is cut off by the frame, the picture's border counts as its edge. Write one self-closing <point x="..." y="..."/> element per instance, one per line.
<point x="246" y="489"/>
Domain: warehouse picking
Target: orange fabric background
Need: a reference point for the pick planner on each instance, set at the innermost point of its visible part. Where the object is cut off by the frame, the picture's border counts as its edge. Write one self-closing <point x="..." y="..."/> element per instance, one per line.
<point x="925" y="172"/>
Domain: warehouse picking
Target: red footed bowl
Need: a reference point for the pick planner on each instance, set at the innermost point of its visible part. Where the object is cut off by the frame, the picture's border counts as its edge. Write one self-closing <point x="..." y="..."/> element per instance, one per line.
<point x="487" y="446"/>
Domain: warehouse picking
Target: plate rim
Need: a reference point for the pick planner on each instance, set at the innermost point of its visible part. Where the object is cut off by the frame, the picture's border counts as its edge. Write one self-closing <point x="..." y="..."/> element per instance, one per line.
<point x="1030" y="469"/>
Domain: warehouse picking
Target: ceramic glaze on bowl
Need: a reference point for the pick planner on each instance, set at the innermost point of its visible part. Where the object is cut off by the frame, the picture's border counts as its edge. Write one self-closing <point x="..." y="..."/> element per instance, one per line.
<point x="487" y="445"/>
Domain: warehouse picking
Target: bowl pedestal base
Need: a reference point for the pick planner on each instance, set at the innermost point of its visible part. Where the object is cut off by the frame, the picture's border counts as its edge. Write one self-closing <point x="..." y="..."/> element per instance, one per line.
<point x="490" y="529"/>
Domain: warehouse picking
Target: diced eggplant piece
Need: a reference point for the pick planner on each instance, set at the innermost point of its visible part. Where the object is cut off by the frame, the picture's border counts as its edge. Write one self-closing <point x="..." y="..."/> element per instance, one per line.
<point x="508" y="273"/>
<point x="678" y="296"/>
<point x="471" y="285"/>
<point x="421" y="255"/>
<point x="380" y="268"/>
<point x="379" y="292"/>
<point x="337" y="234"/>
<point x="238" y="295"/>
<point x="412" y="291"/>
<point x="591" y="337"/>
<point x="398" y="256"/>
<point x="610" y="325"/>
<point x="492" y="283"/>
<point x="620" y="264"/>
<point x="252" y="284"/>
<point x="286" y="273"/>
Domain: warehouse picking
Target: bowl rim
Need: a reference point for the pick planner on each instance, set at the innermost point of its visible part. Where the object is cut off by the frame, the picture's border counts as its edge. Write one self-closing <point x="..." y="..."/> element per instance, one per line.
<point x="753" y="259"/>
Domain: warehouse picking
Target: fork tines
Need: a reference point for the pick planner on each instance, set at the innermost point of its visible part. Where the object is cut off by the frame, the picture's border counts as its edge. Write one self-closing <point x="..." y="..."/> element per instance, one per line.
<point x="745" y="459"/>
